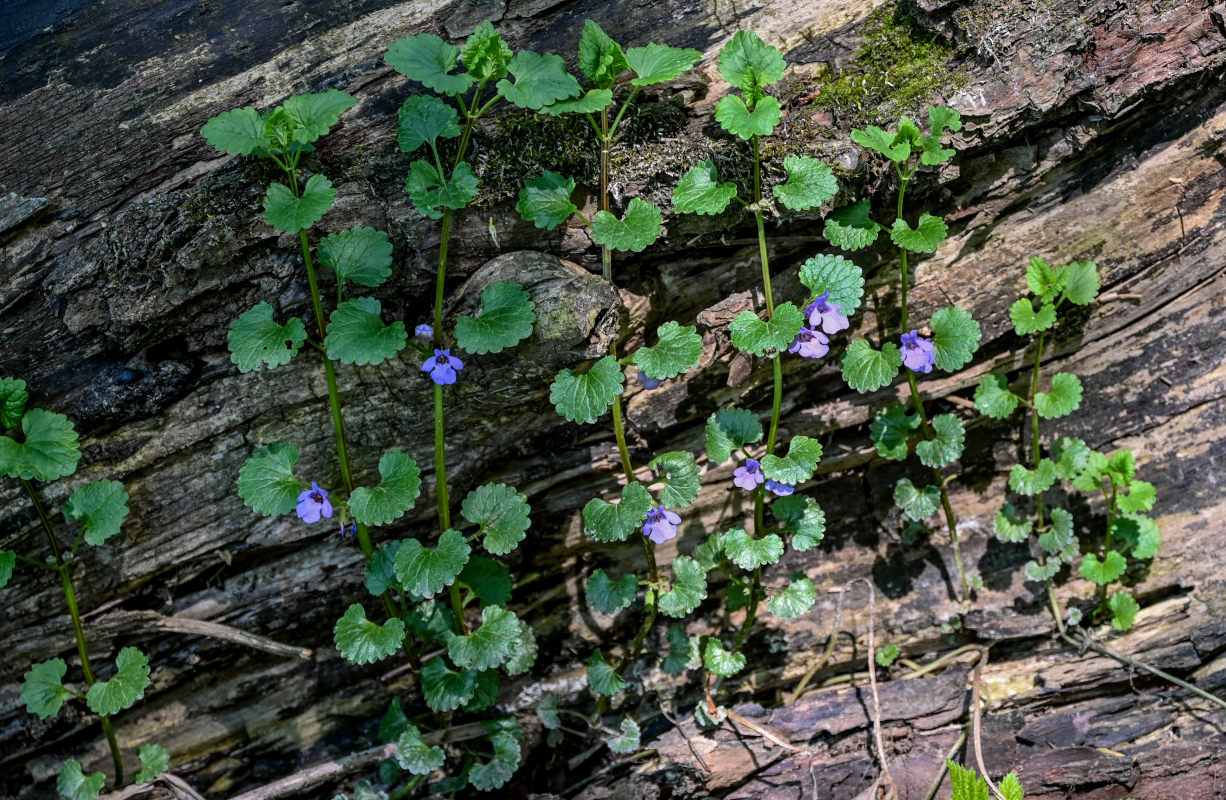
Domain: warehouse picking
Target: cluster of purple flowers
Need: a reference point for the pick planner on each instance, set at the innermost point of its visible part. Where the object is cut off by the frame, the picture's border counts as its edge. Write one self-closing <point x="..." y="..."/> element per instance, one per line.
<point x="824" y="318"/>
<point x="918" y="353"/>
<point x="749" y="476"/>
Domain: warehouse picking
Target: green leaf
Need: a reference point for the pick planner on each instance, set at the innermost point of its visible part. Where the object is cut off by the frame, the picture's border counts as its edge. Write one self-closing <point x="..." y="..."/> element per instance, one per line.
<point x="523" y="653"/>
<point x="797" y="467"/>
<point x="1149" y="537"/>
<point x="1071" y="456"/>
<point x="583" y="398"/>
<point x="683" y="652"/>
<point x="883" y="142"/>
<point x="1140" y="497"/>
<point x="393" y="723"/>
<point x="266" y="481"/>
<point x="851" y="227"/>
<point x="595" y="100"/>
<point x="501" y="514"/>
<point x="489" y="580"/>
<point x="720" y="661"/>
<point x="256" y="339"/>
<point x="993" y="398"/>
<point x="946" y="445"/>
<point x="100" y="507"/>
<point x="608" y="596"/>
<point x="445" y="689"/>
<point x="966" y="785"/>
<point x="13" y="399"/>
<point x="539" y="80"/>
<point x="795" y="600"/>
<point x="836" y="275"/>
<point x="677" y="350"/>
<point x="656" y="63"/>
<point x="803" y="517"/>
<point x="606" y="522"/>
<point x="361" y="255"/>
<point x="315" y="114"/>
<point x="381" y="570"/>
<point x="545" y="201"/>
<point x="415" y="755"/>
<point x="488" y="646"/>
<point x="926" y="237"/>
<point x="942" y="117"/>
<point x="1123" y="610"/>
<point x="427" y="571"/>
<point x="73" y="784"/>
<point x="810" y="183"/>
<point x="866" y="369"/>
<point x="932" y="152"/>
<point x="916" y="504"/>
<point x="1105" y="571"/>
<point x="729" y="429"/>
<point x="8" y="560"/>
<point x="291" y="214"/>
<point x="42" y="689"/>
<point x="628" y="740"/>
<point x="735" y="117"/>
<point x="430" y="61"/>
<point x="679" y="474"/>
<point x="761" y="338"/>
<point x="955" y="337"/>
<point x="700" y="192"/>
<point x="889" y="432"/>
<point x="485" y="55"/>
<point x="1121" y="468"/>
<point x="239" y="132"/>
<point x="357" y="335"/>
<point x="430" y="193"/>
<point x="1089" y="479"/>
<point x="640" y="226"/>
<point x="1059" y="536"/>
<point x="50" y="449"/>
<point x="749" y="553"/>
<point x="601" y="677"/>
<point x="747" y="61"/>
<point x="154" y="760"/>
<point x="1063" y="399"/>
<point x="1043" y="280"/>
<point x="362" y="641"/>
<point x="1010" y="527"/>
<point x="547" y="712"/>
<point x="1081" y="282"/>
<point x="1041" y="572"/>
<point x="1011" y="787"/>
<point x="1032" y="482"/>
<point x="505" y="736"/>
<point x="601" y="59"/>
<point x="688" y="590"/>
<point x="125" y="688"/>
<point x="1027" y="321"/>
<point x="506" y="319"/>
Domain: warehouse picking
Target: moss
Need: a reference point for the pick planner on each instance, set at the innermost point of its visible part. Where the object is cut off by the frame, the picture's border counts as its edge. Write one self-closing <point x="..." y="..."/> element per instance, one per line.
<point x="522" y="145"/>
<point x="898" y="69"/>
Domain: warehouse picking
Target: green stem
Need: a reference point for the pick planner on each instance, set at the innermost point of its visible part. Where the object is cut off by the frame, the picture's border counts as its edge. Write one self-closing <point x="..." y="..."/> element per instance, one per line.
<point x="1111" y="513"/>
<point x="1035" y="444"/>
<point x="751" y="612"/>
<point x="606" y="255"/>
<point x="78" y="629"/>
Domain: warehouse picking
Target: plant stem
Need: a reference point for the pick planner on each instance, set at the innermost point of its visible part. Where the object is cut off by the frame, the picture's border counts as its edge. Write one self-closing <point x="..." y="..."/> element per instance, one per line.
<point x="606" y="255"/>
<point x="78" y="629"/>
<point x="951" y="519"/>
<point x="1035" y="454"/>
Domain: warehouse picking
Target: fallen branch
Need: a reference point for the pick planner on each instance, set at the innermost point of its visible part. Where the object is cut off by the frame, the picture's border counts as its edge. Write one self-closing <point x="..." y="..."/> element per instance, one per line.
<point x="126" y="620"/>
<point x="1086" y="642"/>
<point x="976" y="718"/>
<point x="891" y="788"/>
<point x="799" y="691"/>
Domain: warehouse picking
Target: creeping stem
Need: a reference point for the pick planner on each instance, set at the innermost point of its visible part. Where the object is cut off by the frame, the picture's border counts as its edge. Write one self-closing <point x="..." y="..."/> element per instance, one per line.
<point x="78" y="630"/>
<point x="1035" y="453"/>
<point x="951" y="520"/>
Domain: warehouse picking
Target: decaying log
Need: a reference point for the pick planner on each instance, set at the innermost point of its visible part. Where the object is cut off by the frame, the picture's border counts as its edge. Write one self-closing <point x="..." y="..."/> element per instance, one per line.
<point x="1094" y="129"/>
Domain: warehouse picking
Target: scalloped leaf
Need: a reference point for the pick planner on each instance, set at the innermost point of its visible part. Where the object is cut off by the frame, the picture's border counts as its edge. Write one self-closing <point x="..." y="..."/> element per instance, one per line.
<point x="51" y="449"/>
<point x="361" y="255"/>
<point x="1063" y="399"/>
<point x="426" y="571"/>
<point x="852" y="227"/>
<point x="866" y="369"/>
<point x="700" y="192"/>
<point x="357" y="334"/>
<point x="798" y="465"/>
<point x="993" y="398"/>
<point x="362" y="641"/>
<point x="100" y="507"/>
<point x="431" y="194"/>
<point x="124" y="688"/>
<point x="760" y="338"/>
<point x="545" y="201"/>
<point x="430" y="61"/>
<point x="423" y="120"/>
<point x="539" y="80"/>
<point x="677" y="350"/>
<point x="396" y="493"/>
<point x="601" y="676"/>
<point x="749" y="553"/>
<point x="490" y="645"/>
<point x="255" y="339"/>
<point x="239" y="132"/>
<point x="584" y="398"/>
<point x="656" y="63"/>
<point x="798" y="598"/>
<point x="889" y="431"/>
<point x="955" y="337"/>
<point x="500" y="513"/>
<point x="506" y="319"/>
<point x="689" y="588"/>
<point x="736" y="118"/>
<point x="13" y="399"/>
<point x="634" y="232"/>
<point x="285" y="212"/>
<point x="42" y="688"/>
<point x="945" y="447"/>
<point x="266" y="481"/>
<point x="836" y="275"/>
<point x="809" y="184"/>
<point x="606" y="522"/>
<point x="729" y="429"/>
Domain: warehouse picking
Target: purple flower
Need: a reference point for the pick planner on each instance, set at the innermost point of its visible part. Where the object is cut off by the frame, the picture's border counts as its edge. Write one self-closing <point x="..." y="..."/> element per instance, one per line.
<point x="810" y="344"/>
<point x="749" y="476"/>
<point x="349" y="530"/>
<point x="313" y="503"/>
<point x="442" y="367"/>
<point x="918" y="354"/>
<point x="781" y="489"/>
<point x="649" y="382"/>
<point x="661" y="525"/>
<point x="826" y="315"/>
<point x="424" y="331"/>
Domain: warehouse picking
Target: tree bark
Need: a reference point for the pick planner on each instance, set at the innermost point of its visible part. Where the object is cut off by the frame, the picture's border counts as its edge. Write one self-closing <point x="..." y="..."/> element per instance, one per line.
<point x="1094" y="130"/>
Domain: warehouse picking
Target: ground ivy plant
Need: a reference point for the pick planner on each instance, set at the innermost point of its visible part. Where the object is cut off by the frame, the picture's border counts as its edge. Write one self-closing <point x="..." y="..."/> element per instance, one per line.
<point x="835" y="289"/>
<point x="41" y="445"/>
<point x="585" y="395"/>
<point x="1128" y="533"/>
<point x="937" y="441"/>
